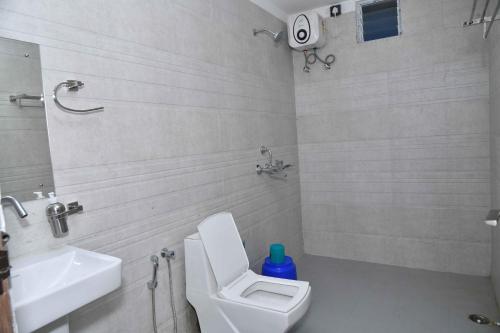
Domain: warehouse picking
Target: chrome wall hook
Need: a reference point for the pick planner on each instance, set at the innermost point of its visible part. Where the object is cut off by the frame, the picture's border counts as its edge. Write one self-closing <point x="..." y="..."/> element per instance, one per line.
<point x="72" y="85"/>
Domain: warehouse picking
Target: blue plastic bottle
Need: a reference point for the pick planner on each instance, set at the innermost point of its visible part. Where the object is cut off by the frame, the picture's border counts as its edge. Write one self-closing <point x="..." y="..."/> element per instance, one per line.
<point x="278" y="264"/>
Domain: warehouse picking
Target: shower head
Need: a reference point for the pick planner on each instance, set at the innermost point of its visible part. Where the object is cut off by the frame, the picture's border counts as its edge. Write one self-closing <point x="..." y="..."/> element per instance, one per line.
<point x="276" y="36"/>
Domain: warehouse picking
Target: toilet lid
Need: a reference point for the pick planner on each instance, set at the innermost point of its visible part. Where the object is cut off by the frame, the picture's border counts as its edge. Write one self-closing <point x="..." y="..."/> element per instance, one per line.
<point x="224" y="248"/>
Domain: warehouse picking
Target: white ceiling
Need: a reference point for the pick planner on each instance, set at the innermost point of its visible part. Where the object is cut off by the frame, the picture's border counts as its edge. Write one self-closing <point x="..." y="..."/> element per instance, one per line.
<point x="283" y="8"/>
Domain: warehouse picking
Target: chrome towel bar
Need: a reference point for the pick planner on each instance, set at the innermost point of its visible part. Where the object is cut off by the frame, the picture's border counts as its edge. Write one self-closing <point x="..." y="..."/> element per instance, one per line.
<point x="18" y="99"/>
<point x="72" y="85"/>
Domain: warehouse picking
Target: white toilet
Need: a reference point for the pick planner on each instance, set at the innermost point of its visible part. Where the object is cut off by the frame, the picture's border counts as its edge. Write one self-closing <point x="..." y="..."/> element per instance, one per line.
<point x="227" y="296"/>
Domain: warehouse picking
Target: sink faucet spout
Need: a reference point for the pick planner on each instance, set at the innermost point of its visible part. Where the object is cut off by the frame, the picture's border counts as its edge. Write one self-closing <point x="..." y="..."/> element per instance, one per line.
<point x="17" y="205"/>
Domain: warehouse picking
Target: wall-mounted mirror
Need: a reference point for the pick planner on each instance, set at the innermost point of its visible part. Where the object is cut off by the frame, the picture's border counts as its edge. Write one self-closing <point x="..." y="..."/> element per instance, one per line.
<point x="25" y="165"/>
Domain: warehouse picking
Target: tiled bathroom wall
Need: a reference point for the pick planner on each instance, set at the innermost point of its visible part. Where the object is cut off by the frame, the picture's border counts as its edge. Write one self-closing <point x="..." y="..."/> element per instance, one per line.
<point x="494" y="48"/>
<point x="189" y="95"/>
<point x="394" y="143"/>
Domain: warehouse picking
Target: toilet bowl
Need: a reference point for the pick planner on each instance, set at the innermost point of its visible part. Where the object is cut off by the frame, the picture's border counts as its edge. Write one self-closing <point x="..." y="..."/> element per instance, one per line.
<point x="226" y="294"/>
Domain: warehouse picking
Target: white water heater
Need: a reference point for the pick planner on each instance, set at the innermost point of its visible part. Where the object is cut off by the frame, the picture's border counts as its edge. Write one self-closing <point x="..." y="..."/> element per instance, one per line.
<point x="306" y="31"/>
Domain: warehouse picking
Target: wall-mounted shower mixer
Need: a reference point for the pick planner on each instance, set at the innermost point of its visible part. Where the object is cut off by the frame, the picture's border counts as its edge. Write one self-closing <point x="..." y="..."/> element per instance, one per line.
<point x="276" y="169"/>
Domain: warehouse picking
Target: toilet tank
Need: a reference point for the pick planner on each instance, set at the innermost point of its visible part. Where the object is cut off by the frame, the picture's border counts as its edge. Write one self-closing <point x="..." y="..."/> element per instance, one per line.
<point x="199" y="275"/>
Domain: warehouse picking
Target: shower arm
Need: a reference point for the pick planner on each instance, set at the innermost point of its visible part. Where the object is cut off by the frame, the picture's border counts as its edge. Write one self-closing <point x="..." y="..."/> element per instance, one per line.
<point x="268" y="32"/>
<point x="276" y="36"/>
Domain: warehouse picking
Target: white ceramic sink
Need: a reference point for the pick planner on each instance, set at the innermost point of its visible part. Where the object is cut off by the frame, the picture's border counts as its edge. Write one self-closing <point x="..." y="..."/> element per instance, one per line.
<point x="49" y="286"/>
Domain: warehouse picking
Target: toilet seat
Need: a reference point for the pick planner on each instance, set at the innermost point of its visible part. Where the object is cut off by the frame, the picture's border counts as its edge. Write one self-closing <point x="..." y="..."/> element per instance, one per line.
<point x="266" y="292"/>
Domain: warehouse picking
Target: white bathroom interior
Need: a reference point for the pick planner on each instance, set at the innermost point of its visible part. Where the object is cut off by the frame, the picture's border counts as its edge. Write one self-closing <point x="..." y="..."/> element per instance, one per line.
<point x="153" y="154"/>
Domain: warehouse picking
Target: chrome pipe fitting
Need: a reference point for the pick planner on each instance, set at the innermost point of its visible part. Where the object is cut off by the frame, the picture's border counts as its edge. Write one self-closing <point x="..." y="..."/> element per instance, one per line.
<point x="167" y="254"/>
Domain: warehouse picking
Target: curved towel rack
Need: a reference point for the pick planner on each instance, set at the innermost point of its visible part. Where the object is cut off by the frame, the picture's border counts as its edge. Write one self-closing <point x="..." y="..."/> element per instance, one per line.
<point x="72" y="85"/>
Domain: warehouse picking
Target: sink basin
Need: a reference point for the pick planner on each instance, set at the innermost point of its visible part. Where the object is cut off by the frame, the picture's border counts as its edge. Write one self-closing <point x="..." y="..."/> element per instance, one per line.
<point x="49" y="286"/>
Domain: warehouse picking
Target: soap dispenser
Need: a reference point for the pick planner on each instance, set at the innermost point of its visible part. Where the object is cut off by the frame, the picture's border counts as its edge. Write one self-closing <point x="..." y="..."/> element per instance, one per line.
<point x="57" y="217"/>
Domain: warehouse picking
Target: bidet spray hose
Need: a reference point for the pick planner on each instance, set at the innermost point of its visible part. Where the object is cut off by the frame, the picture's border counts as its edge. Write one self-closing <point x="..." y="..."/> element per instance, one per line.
<point x="172" y="301"/>
<point x="168" y="255"/>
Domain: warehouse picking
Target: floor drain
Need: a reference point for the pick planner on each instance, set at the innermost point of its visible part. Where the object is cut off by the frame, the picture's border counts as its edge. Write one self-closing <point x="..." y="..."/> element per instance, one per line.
<point x="483" y="320"/>
<point x="480" y="319"/>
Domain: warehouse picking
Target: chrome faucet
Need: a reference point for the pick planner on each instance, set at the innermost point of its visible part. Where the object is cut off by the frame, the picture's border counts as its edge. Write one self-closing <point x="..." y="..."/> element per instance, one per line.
<point x="17" y="205"/>
<point x="276" y="169"/>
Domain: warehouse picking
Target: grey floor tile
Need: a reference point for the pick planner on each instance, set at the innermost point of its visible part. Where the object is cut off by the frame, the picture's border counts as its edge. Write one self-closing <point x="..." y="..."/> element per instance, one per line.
<point x="357" y="297"/>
